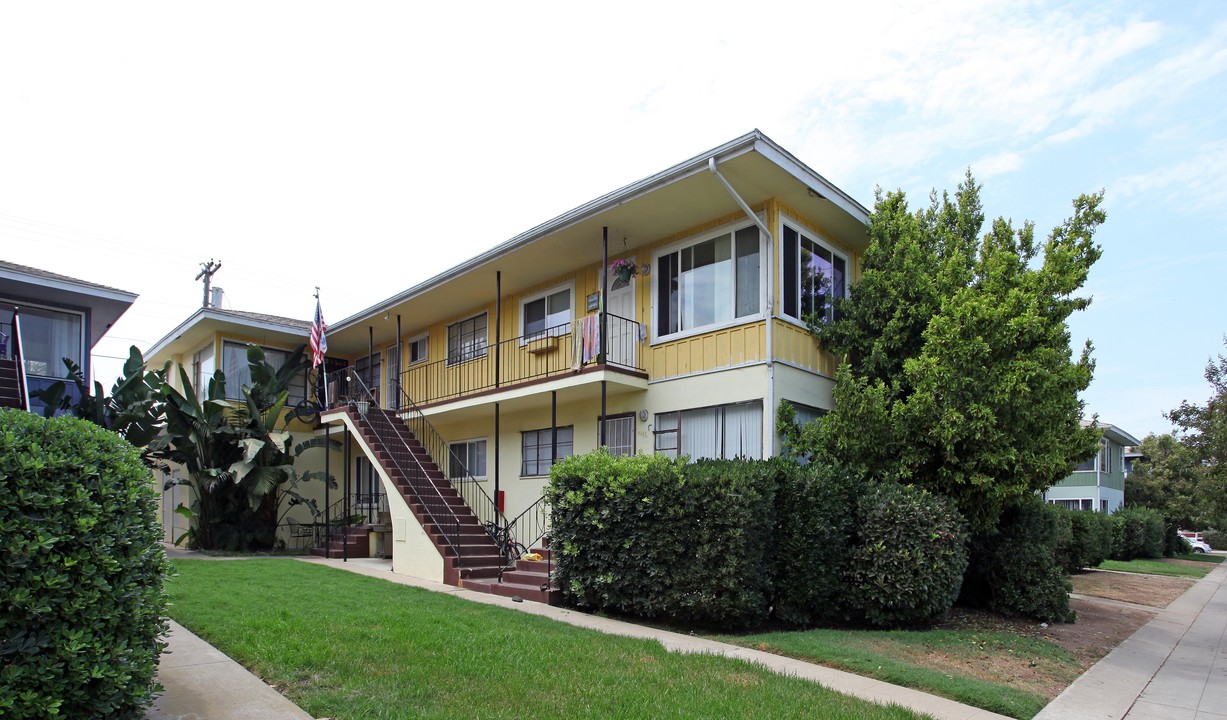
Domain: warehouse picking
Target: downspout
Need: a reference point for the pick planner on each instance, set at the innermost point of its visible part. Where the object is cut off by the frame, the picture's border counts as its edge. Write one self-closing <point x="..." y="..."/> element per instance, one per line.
<point x="769" y="409"/>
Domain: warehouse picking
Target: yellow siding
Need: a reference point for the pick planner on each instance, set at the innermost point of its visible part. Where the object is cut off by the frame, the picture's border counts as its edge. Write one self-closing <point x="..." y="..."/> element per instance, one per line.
<point x="795" y="345"/>
<point x="727" y="347"/>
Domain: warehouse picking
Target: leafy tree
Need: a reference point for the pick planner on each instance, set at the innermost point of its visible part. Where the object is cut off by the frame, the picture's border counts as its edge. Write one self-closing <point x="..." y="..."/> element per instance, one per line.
<point x="239" y="462"/>
<point x="959" y="375"/>
<point x="1169" y="480"/>
<point x="1203" y="430"/>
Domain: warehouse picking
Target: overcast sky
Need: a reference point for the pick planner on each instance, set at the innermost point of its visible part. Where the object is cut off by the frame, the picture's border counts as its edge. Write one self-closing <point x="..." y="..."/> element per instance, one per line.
<point x="365" y="147"/>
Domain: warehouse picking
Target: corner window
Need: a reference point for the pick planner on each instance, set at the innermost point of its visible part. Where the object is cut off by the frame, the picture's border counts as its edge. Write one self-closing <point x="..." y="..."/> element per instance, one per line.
<point x="203" y="365"/>
<point x="708" y="283"/>
<point x="723" y="431"/>
<point x="537" y="449"/>
<point x="814" y="277"/>
<point x="47" y="337"/>
<point x="546" y="314"/>
<point x="466" y="340"/>
<point x="467" y="458"/>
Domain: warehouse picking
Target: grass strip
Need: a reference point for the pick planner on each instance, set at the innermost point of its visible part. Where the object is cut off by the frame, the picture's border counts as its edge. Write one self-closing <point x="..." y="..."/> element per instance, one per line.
<point x="927" y="660"/>
<point x="1149" y="566"/>
<point x="351" y="647"/>
<point x="1202" y="557"/>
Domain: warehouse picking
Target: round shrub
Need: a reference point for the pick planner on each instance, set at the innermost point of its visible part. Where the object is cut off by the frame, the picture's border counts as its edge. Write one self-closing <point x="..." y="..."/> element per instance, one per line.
<point x="909" y="561"/>
<point x="1017" y="569"/>
<point x="1091" y="541"/>
<point x="1137" y="532"/>
<point x="81" y="598"/>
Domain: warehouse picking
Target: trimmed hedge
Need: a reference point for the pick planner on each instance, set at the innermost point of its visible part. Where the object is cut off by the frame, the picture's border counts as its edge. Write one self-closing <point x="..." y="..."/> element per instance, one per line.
<point x="658" y="538"/>
<point x="1016" y="570"/>
<point x="731" y="543"/>
<point x="814" y="533"/>
<point x="81" y="599"/>
<point x="1137" y="532"/>
<point x="1090" y="542"/>
<point x="908" y="565"/>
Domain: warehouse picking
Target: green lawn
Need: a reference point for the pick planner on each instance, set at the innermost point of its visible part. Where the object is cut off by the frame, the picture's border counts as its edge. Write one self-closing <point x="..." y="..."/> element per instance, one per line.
<point x="936" y="661"/>
<point x="1150" y="566"/>
<point x="346" y="646"/>
<point x="1203" y="557"/>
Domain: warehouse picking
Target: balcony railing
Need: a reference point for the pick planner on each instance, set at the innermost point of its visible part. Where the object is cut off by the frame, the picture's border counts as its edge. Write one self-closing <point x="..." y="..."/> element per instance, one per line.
<point x="560" y="350"/>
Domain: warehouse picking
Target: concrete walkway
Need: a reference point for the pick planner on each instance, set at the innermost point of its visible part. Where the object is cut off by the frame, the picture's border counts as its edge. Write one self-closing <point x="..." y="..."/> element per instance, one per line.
<point x="1173" y="668"/>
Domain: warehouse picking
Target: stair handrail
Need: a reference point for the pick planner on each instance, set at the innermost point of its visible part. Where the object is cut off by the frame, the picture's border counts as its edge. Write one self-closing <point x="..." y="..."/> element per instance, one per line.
<point x="448" y="527"/>
<point x="479" y="501"/>
<point x="536" y="520"/>
<point x="23" y="390"/>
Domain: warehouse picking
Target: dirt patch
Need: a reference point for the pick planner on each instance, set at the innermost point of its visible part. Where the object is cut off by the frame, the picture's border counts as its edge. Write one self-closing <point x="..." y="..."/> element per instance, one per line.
<point x="1099" y="629"/>
<point x="1154" y="590"/>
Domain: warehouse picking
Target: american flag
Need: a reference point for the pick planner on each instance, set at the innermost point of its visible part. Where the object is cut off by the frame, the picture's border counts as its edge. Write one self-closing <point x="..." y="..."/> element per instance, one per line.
<point x="319" y="339"/>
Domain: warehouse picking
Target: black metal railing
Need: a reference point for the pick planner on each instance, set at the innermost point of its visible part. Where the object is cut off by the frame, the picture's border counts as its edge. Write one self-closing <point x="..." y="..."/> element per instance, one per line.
<point x="529" y="528"/>
<point x="453" y="466"/>
<point x="407" y="463"/>
<point x="558" y="350"/>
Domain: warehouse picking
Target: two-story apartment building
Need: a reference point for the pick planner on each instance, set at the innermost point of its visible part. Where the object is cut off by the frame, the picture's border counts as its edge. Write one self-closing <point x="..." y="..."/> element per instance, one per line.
<point x="1098" y="483"/>
<point x="667" y="316"/>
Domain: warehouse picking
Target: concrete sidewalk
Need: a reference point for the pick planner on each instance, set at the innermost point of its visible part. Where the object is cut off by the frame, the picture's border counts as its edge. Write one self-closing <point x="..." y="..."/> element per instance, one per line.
<point x="1172" y="668"/>
<point x="203" y="684"/>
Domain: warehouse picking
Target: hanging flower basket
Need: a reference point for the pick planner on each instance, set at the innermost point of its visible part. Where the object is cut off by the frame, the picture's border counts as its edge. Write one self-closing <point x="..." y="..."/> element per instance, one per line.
<point x="625" y="269"/>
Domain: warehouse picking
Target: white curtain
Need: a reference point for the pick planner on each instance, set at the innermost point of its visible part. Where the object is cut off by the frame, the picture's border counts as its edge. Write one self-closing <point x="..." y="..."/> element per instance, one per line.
<point x="701" y="433"/>
<point x="743" y="431"/>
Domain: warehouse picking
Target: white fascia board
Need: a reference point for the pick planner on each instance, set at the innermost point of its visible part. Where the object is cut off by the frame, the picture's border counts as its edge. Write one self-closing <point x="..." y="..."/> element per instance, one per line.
<point x="811" y="179"/>
<point x="209" y="314"/>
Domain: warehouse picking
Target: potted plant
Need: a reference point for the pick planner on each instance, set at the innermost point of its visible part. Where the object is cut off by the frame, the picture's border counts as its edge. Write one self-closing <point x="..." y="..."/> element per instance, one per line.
<point x="624" y="268"/>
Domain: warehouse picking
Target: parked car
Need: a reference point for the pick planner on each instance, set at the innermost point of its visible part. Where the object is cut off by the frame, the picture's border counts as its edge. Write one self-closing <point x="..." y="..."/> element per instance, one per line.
<point x="1195" y="541"/>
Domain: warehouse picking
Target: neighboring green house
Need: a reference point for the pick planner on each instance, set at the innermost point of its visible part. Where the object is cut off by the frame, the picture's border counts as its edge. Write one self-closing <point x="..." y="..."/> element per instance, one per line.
<point x="1099" y="482"/>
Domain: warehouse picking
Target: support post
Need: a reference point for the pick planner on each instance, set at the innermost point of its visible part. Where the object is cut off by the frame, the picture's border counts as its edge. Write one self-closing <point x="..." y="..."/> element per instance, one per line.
<point x="497" y="501"/>
<point x="498" y="326"/>
<point x="604" y="328"/>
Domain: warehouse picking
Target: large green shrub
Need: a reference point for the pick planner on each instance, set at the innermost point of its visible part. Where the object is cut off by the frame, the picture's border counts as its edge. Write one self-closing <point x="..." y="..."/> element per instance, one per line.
<point x="658" y="538"/>
<point x="81" y="599"/>
<point x="1137" y="532"/>
<point x="910" y="557"/>
<point x="815" y="526"/>
<point x="1017" y="569"/>
<point x="1090" y="541"/>
<point x="1216" y="539"/>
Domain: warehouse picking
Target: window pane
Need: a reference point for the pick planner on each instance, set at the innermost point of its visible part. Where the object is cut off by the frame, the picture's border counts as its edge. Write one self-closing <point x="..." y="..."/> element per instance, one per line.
<point x="47" y="338"/>
<point x="707" y="283"/>
<point x="791" y="280"/>
<point x="747" y="272"/>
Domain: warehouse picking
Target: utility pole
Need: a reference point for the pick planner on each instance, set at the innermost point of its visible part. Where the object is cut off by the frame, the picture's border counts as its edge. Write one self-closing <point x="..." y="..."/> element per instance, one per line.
<point x="206" y="272"/>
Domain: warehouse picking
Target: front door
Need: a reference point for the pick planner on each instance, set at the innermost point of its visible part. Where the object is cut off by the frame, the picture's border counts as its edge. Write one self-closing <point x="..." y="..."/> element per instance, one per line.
<point x="623" y="331"/>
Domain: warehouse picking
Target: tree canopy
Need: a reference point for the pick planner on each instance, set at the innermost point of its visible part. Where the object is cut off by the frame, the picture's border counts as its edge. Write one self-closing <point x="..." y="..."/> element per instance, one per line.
<point x="1203" y="430"/>
<point x="958" y="375"/>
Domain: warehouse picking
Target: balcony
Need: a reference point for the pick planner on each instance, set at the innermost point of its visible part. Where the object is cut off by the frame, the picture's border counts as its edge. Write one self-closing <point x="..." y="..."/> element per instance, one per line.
<point x="568" y="349"/>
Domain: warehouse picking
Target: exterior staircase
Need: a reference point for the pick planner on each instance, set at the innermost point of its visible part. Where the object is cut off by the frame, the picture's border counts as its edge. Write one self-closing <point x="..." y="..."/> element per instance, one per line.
<point x="346" y="542"/>
<point x="10" y="391"/>
<point x="471" y="558"/>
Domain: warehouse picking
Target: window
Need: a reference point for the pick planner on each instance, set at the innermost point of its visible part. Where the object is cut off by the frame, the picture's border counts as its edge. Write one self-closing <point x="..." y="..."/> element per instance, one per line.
<point x="619" y="434"/>
<point x="1083" y="504"/>
<point x="417" y="350"/>
<point x="47" y="337"/>
<point x="466" y="340"/>
<point x="467" y="458"/>
<point x="370" y="372"/>
<point x="238" y="371"/>
<point x="394" y="392"/>
<point x="723" y="431"/>
<point x="814" y="277"/>
<point x="803" y="415"/>
<point x="711" y="282"/>
<point x="1100" y="461"/>
<point x="548" y="314"/>
<point x="537" y="449"/>
<point x="203" y="365"/>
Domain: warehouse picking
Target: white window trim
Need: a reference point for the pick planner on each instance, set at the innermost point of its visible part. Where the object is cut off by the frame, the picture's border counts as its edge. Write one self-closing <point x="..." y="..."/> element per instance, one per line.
<point x="822" y="240"/>
<point x="85" y="362"/>
<point x="726" y="229"/>
<point x="409" y="343"/>
<point x="553" y="461"/>
<point x="486" y="440"/>
<point x="569" y="287"/>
